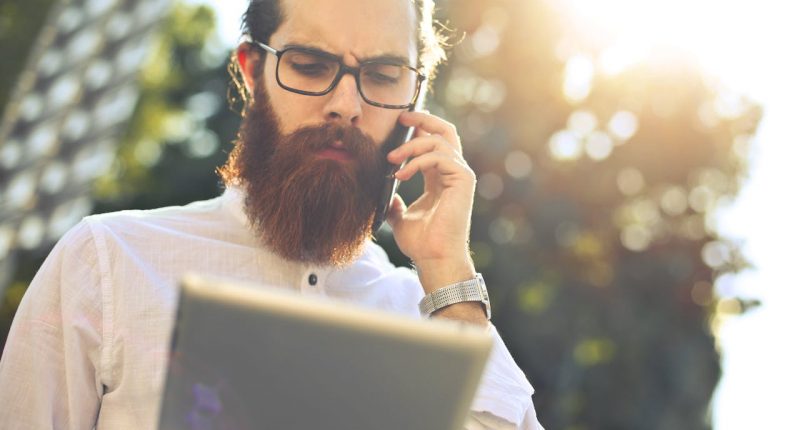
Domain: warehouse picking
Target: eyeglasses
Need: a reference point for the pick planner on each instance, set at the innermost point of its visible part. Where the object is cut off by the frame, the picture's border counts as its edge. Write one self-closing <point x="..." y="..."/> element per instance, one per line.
<point x="384" y="83"/>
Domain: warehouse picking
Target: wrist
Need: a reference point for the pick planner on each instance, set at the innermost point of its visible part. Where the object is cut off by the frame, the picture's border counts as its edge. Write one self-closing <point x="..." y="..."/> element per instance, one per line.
<point x="437" y="273"/>
<point x="466" y="300"/>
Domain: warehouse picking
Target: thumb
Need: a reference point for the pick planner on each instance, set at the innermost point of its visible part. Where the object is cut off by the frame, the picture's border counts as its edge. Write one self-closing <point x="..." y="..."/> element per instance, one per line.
<point x="396" y="210"/>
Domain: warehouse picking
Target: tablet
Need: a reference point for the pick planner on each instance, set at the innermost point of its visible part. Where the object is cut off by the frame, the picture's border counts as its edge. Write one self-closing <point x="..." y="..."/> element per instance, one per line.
<point x="253" y="357"/>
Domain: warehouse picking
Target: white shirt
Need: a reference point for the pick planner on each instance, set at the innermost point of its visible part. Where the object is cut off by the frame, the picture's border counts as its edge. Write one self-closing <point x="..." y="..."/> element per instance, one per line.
<point x="89" y="343"/>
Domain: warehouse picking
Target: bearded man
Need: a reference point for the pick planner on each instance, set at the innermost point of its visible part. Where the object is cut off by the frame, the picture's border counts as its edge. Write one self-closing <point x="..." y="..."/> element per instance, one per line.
<point x="327" y="83"/>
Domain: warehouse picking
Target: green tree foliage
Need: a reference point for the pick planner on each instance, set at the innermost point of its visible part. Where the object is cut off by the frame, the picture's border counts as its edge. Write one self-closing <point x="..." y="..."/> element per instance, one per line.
<point x="182" y="126"/>
<point x="592" y="216"/>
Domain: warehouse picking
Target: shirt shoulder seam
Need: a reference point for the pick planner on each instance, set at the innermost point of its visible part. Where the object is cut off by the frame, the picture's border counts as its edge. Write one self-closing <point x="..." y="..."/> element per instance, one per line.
<point x="104" y="269"/>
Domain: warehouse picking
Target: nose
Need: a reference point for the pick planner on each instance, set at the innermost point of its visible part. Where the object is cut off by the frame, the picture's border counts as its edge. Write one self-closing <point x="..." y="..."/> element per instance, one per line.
<point x="344" y="102"/>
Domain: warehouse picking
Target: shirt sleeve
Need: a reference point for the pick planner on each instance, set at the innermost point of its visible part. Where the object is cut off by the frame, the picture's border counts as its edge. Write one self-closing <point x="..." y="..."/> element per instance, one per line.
<point x="50" y="368"/>
<point x="503" y="400"/>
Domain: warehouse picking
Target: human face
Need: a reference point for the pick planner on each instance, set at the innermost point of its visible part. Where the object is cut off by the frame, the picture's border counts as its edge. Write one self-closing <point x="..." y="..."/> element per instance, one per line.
<point x="356" y="30"/>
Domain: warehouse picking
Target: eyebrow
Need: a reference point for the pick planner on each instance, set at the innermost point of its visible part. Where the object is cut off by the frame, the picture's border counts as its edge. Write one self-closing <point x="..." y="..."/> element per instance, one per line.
<point x="383" y="58"/>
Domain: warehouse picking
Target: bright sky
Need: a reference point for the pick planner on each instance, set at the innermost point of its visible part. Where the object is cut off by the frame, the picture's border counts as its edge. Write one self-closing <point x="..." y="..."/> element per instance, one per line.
<point x="752" y="46"/>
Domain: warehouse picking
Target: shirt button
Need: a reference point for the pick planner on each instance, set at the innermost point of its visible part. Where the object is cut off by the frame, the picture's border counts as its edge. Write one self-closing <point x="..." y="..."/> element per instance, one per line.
<point x="312" y="279"/>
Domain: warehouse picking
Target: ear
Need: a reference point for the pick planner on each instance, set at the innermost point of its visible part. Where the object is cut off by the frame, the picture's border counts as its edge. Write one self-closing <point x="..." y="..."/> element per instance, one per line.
<point x="247" y="57"/>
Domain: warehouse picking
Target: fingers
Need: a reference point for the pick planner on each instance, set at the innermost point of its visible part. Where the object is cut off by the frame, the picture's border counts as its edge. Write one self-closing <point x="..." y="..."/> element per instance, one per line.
<point x="420" y="145"/>
<point x="435" y="151"/>
<point x="425" y="122"/>
<point x="449" y="167"/>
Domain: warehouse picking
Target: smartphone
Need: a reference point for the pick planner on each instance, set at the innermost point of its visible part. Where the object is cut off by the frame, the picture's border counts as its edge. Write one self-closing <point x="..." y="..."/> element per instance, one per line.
<point x="399" y="136"/>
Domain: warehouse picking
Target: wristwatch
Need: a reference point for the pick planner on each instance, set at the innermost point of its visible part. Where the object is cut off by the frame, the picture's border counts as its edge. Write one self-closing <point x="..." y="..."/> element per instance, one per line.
<point x="473" y="290"/>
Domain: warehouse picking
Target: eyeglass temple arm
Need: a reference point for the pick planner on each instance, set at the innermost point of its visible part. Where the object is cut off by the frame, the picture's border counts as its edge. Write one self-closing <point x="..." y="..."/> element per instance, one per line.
<point x="267" y="48"/>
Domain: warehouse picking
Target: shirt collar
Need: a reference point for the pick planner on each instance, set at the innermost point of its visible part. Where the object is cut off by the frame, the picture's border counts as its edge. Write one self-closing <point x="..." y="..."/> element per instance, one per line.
<point x="233" y="202"/>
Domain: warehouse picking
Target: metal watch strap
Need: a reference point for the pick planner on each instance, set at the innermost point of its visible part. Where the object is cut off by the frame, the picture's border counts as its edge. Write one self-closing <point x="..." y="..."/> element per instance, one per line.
<point x="472" y="290"/>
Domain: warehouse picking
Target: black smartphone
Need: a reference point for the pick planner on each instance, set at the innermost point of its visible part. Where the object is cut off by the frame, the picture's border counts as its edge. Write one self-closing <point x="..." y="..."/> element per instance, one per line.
<point x="399" y="136"/>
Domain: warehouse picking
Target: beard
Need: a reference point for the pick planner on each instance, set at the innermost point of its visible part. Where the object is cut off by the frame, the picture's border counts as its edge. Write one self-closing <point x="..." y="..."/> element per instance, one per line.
<point x="304" y="207"/>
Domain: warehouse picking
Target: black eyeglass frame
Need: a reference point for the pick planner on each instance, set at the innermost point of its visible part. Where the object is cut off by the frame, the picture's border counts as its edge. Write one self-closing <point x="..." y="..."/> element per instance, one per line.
<point x="343" y="69"/>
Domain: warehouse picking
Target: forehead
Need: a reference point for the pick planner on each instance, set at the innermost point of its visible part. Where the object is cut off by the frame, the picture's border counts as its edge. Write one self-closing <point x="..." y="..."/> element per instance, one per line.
<point x="352" y="28"/>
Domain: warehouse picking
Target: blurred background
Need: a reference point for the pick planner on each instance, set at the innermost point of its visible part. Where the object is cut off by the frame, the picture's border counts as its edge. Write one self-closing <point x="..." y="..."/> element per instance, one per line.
<point x="634" y="217"/>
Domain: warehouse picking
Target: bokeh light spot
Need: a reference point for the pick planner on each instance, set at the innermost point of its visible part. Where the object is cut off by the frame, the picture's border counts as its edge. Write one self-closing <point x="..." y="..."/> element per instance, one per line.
<point x="490" y="186"/>
<point x="635" y="237"/>
<point x="502" y="230"/>
<point x="54" y="177"/>
<point x="716" y="254"/>
<point x="518" y="164"/>
<point x="644" y="211"/>
<point x="693" y="227"/>
<point x="599" y="145"/>
<point x="203" y="105"/>
<point x="582" y="122"/>
<point x="115" y="107"/>
<point x="630" y="181"/>
<point x="98" y="74"/>
<point x="593" y="351"/>
<point x="66" y="215"/>
<point x="70" y="19"/>
<point x="578" y="76"/>
<point x="10" y="154"/>
<point x="536" y="297"/>
<point x="20" y="191"/>
<point x="701" y="198"/>
<point x="118" y="25"/>
<point x="31" y="107"/>
<point x="203" y="143"/>
<point x="42" y="141"/>
<point x="623" y="125"/>
<point x="91" y="162"/>
<point x="673" y="201"/>
<point x="147" y="152"/>
<point x="64" y="91"/>
<point x="76" y="125"/>
<point x="485" y="40"/>
<point x="565" y="145"/>
<point x="83" y="45"/>
<point x="50" y="62"/>
<point x="99" y="7"/>
<point x="31" y="232"/>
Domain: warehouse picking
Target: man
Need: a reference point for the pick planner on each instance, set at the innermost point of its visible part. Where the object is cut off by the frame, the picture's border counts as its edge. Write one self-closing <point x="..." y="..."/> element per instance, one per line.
<point x="329" y="81"/>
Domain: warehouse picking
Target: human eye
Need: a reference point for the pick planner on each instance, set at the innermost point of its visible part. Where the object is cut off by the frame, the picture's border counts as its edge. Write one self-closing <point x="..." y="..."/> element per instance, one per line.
<point x="318" y="68"/>
<point x="309" y="65"/>
<point x="383" y="74"/>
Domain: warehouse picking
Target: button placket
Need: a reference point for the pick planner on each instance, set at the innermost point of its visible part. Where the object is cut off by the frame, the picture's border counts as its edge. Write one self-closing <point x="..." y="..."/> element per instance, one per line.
<point x="313" y="280"/>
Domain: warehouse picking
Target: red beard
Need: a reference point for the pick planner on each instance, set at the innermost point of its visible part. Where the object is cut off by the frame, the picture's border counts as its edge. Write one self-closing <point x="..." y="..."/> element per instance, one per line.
<point x="304" y="207"/>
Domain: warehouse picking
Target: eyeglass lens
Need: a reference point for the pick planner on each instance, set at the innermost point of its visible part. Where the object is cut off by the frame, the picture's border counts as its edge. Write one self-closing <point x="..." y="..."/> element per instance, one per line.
<point x="388" y="84"/>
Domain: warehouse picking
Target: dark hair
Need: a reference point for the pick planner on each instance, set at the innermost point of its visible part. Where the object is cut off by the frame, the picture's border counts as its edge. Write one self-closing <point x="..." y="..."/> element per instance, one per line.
<point x="263" y="17"/>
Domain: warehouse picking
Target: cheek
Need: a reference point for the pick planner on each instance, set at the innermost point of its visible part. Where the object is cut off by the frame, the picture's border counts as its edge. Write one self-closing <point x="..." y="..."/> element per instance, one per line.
<point x="290" y="113"/>
<point x="385" y="122"/>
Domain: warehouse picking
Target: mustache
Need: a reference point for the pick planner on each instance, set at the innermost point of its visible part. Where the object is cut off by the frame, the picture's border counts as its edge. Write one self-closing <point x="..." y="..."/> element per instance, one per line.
<point x="351" y="138"/>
